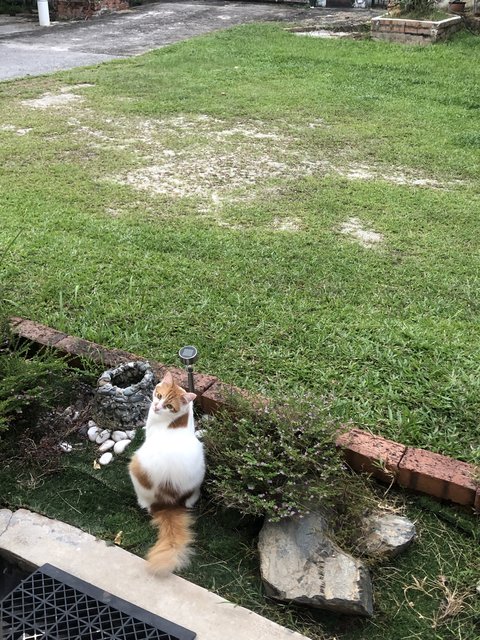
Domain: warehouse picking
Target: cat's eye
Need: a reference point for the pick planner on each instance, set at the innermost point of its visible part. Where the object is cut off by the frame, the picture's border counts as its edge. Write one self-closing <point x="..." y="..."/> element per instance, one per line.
<point x="159" y="396"/>
<point x="169" y="407"/>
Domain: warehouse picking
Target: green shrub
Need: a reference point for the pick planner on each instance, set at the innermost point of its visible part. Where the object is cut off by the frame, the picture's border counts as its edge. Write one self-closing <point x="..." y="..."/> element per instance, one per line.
<point x="418" y="8"/>
<point x="28" y="384"/>
<point x="278" y="462"/>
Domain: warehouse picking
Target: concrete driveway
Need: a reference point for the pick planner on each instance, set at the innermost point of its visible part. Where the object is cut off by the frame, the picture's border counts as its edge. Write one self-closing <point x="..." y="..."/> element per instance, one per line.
<point x="28" y="49"/>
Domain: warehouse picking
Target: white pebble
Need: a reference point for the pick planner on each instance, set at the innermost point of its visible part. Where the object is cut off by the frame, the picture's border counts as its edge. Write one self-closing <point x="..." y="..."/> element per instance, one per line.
<point x="119" y="435"/>
<point x="206" y="418"/>
<point x="200" y="433"/>
<point x="102" y="436"/>
<point x="91" y="423"/>
<point x="93" y="432"/>
<point x="106" y="458"/>
<point x="120" y="446"/>
<point x="65" y="446"/>
<point x="131" y="434"/>
<point x="108" y="444"/>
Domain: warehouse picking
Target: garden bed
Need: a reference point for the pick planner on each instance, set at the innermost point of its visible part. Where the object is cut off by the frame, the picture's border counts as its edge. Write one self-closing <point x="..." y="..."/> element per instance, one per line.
<point x="413" y="468"/>
<point x="414" y="31"/>
<point x="102" y="502"/>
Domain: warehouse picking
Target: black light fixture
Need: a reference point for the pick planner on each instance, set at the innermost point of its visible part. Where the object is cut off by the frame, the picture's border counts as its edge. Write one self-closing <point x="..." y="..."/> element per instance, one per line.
<point x="188" y="356"/>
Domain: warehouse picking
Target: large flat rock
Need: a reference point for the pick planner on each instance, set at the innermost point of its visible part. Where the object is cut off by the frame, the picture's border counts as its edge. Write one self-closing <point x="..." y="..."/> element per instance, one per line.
<point x="301" y="564"/>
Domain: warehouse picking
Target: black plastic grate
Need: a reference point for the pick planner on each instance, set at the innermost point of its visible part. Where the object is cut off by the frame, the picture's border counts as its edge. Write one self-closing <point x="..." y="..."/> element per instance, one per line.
<point x="53" y="605"/>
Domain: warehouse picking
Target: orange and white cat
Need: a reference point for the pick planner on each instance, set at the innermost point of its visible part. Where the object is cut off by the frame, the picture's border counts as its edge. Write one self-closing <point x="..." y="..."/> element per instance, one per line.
<point x="167" y="471"/>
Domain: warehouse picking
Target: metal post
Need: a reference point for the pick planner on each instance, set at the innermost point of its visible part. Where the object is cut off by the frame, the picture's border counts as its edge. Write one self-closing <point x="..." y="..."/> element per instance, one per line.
<point x="191" y="385"/>
<point x="43" y="13"/>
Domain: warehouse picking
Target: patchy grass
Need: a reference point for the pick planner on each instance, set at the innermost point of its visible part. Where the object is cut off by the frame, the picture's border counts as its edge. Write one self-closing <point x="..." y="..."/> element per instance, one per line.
<point x="199" y="193"/>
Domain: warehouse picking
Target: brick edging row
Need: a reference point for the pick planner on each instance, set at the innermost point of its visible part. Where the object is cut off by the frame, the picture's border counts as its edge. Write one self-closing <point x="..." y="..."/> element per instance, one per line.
<point x="417" y="469"/>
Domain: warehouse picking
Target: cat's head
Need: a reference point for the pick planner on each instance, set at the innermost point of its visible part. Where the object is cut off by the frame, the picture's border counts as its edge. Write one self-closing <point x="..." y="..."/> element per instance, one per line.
<point x="169" y="398"/>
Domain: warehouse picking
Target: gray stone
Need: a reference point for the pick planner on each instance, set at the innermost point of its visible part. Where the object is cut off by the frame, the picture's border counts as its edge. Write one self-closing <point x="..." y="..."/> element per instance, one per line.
<point x="386" y="534"/>
<point x="106" y="446"/>
<point x="120" y="446"/>
<point x="119" y="435"/>
<point x="106" y="458"/>
<point x="102" y="436"/>
<point x="300" y="563"/>
<point x="93" y="432"/>
<point x="123" y="396"/>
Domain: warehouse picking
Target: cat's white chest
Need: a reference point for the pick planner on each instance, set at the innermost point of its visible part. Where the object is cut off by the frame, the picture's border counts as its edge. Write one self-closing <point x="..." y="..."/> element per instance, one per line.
<point x="174" y="456"/>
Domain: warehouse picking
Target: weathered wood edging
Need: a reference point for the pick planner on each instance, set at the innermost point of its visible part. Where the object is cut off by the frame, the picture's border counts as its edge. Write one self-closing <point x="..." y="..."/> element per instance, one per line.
<point x="417" y="469"/>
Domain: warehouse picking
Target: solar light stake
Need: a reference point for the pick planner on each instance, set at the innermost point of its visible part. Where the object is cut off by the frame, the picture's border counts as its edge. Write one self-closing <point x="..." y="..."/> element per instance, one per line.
<point x="188" y="356"/>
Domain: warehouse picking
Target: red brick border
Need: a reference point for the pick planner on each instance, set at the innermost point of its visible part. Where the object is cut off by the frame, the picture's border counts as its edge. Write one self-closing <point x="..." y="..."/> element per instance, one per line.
<point x="415" y="469"/>
<point x="372" y="454"/>
<point x="437" y="476"/>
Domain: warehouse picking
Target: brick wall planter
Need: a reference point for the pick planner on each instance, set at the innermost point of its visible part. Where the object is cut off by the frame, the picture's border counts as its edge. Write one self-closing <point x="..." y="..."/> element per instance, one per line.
<point x="389" y="461"/>
<point x="414" y="31"/>
<point x="83" y="9"/>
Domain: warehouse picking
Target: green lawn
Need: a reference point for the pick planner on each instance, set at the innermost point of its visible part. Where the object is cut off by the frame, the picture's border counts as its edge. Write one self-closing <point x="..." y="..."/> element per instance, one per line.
<point x="215" y="192"/>
<point x="198" y="194"/>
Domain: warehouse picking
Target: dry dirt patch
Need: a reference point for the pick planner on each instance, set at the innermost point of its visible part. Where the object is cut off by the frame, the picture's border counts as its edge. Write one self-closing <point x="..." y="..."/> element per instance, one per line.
<point x="395" y="175"/>
<point x="354" y="228"/>
<point x="214" y="161"/>
<point x="65" y="96"/>
<point x="10" y="128"/>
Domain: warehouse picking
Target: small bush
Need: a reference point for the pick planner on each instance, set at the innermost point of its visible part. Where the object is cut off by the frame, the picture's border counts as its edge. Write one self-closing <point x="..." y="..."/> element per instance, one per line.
<point x="417" y="8"/>
<point x="278" y="462"/>
<point x="28" y="385"/>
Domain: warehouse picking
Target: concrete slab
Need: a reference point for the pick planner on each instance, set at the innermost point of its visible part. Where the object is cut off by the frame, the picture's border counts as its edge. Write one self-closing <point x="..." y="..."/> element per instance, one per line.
<point x="38" y="540"/>
<point x="16" y="24"/>
<point x="34" y="50"/>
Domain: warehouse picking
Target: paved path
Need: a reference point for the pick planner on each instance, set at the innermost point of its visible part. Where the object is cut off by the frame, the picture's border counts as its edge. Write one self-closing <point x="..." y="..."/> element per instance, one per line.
<point x="28" y="49"/>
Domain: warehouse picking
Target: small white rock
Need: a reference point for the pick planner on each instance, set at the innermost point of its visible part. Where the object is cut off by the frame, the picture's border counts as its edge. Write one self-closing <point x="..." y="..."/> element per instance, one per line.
<point x="131" y="434"/>
<point x="102" y="436"/>
<point x="93" y="432"/>
<point x="120" y="446"/>
<point x="108" y="444"/>
<point x="65" y="446"/>
<point x="119" y="435"/>
<point x="106" y="458"/>
<point x="200" y="433"/>
<point x="91" y="423"/>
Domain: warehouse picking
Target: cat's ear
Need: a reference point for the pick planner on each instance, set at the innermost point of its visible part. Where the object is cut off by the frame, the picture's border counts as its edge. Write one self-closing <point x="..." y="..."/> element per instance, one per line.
<point x="167" y="379"/>
<point x="188" y="397"/>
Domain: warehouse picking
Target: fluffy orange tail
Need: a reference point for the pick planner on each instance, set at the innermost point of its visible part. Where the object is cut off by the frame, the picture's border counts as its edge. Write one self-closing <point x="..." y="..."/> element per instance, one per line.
<point x="171" y="551"/>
